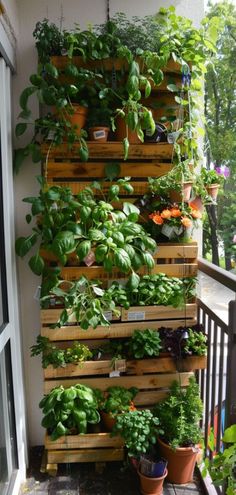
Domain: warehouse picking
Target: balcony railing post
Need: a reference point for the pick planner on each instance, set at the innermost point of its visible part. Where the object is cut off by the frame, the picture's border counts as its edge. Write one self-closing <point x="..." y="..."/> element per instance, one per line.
<point x="230" y="412"/>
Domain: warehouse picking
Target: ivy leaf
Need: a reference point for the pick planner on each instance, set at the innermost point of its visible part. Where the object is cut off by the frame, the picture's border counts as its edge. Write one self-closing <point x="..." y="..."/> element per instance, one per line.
<point x="36" y="263"/>
<point x="122" y="260"/>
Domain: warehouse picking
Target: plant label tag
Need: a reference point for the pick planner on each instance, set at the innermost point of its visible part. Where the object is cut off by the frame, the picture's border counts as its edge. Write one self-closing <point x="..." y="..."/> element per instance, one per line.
<point x="120" y="365"/>
<point x="37" y="293"/>
<point x="114" y="373"/>
<point x="99" y="134"/>
<point x="136" y="315"/>
<point x="108" y="315"/>
<point x="89" y="259"/>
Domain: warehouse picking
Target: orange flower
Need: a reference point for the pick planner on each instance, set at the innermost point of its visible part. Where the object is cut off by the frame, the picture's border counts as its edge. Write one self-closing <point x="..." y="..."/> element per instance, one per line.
<point x="196" y="213"/>
<point x="152" y="215"/>
<point x="166" y="214"/>
<point x="186" y="222"/>
<point x="157" y="219"/>
<point x="175" y="212"/>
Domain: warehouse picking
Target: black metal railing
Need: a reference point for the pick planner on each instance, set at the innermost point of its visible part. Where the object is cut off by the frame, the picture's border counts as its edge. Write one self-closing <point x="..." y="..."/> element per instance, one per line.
<point x="218" y="381"/>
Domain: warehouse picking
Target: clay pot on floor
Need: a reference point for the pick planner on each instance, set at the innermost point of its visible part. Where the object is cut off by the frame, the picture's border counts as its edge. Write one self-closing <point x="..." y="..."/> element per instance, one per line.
<point x="181" y="462"/>
<point x="213" y="190"/>
<point x="99" y="134"/>
<point x="151" y="486"/>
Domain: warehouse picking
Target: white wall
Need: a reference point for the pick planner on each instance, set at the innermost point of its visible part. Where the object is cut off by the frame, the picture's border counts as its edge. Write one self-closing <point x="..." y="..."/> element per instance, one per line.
<point x="83" y="11"/>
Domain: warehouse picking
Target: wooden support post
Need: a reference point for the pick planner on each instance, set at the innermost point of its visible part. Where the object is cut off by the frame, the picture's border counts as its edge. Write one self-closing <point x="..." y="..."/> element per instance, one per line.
<point x="230" y="413"/>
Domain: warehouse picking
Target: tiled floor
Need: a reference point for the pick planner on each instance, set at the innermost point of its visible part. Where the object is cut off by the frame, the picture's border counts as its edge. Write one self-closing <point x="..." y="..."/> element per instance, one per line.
<point x="81" y="479"/>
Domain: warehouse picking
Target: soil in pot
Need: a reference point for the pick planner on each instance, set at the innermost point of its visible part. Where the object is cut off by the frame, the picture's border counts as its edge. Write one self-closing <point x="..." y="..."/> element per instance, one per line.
<point x="181" y="462"/>
<point x="99" y="134"/>
<point x="151" y="486"/>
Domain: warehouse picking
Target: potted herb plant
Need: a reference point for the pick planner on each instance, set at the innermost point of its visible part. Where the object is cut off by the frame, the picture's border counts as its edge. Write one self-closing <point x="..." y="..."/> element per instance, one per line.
<point x="69" y="410"/>
<point x="179" y="417"/>
<point x="188" y="346"/>
<point x="140" y="430"/>
<point x="116" y="401"/>
<point x="56" y="357"/>
<point x="212" y="181"/>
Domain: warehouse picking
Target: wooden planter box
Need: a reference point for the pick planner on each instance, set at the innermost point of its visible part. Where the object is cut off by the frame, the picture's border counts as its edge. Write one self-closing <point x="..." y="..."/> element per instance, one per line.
<point x="91" y="447"/>
<point x="140" y="313"/>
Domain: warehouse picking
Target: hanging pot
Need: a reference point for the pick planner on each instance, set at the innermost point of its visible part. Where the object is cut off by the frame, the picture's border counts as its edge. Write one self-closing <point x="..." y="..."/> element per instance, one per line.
<point x="151" y="486"/>
<point x="184" y="195"/>
<point x="213" y="190"/>
<point x="181" y="462"/>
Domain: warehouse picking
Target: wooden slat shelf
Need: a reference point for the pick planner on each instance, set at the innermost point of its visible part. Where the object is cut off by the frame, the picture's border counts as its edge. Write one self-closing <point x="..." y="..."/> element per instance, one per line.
<point x="113" y="150"/>
<point x="144" y="382"/>
<point x="83" y="455"/>
<point x="130" y="367"/>
<point x="116" y="330"/>
<point x="87" y="440"/>
<point x="134" y="313"/>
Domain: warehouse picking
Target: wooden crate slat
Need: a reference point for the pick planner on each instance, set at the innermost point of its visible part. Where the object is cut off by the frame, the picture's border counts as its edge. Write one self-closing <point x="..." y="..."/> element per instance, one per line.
<point x="140" y="187"/>
<point x="142" y="382"/>
<point x="113" y="150"/>
<point x="86" y="368"/>
<point x="84" y="455"/>
<point x="108" y="64"/>
<point x="97" y="272"/>
<point x="116" y="330"/>
<point x="84" y="170"/>
<point x="87" y="440"/>
<point x="180" y="250"/>
<point x="158" y="312"/>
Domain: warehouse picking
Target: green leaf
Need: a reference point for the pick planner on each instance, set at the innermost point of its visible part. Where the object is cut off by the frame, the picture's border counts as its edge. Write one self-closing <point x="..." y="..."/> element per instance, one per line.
<point x="63" y="243"/>
<point x="112" y="170"/>
<point x="20" y="129"/>
<point x="230" y="434"/>
<point x="114" y="191"/>
<point x="173" y="88"/>
<point x="51" y="70"/>
<point x="148" y="260"/>
<point x="85" y="213"/>
<point x="122" y="260"/>
<point x="100" y="252"/>
<point x="19" y="156"/>
<point x="26" y="93"/>
<point x="83" y="249"/>
<point x="36" y="153"/>
<point x="96" y="235"/>
<point x="24" y="244"/>
<point x="36" y="264"/>
<point x="83" y="153"/>
<point x="133" y="281"/>
<point x="108" y="264"/>
<point x="131" y="211"/>
<point x="126" y="148"/>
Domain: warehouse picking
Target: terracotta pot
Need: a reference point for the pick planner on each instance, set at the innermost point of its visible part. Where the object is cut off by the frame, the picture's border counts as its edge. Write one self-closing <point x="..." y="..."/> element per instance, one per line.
<point x="213" y="190"/>
<point x="99" y="134"/>
<point x="108" y="420"/>
<point x="197" y="203"/>
<point x="151" y="486"/>
<point x="120" y="132"/>
<point x="78" y="118"/>
<point x="181" y="462"/>
<point x="184" y="195"/>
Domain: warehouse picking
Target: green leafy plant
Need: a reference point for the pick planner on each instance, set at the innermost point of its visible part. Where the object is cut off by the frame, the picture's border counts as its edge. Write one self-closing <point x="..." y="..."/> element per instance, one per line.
<point x="82" y="224"/>
<point x="223" y="465"/>
<point x="173" y="180"/>
<point x="184" y="341"/>
<point x="53" y="355"/>
<point x="145" y="343"/>
<point x="195" y="344"/>
<point x="148" y="290"/>
<point x="139" y="429"/>
<point x="84" y="300"/>
<point x="210" y="177"/>
<point x="117" y="400"/>
<point x="49" y="40"/>
<point x="68" y="411"/>
<point x="179" y="415"/>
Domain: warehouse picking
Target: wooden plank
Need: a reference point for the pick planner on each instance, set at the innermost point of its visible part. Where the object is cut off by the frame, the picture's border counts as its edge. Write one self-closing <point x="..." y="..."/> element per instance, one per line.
<point x="191" y="363"/>
<point x="139" y="187"/>
<point x="98" y="272"/>
<point x="142" y="382"/>
<point x="149" y="397"/>
<point x="85" y="368"/>
<point x="113" y="150"/>
<point x="116" y="330"/>
<point x="85" y="455"/>
<point x="180" y="250"/>
<point x="144" y="366"/>
<point x="83" y="170"/>
<point x="158" y="312"/>
<point x="83" y="441"/>
<point x="107" y="64"/>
